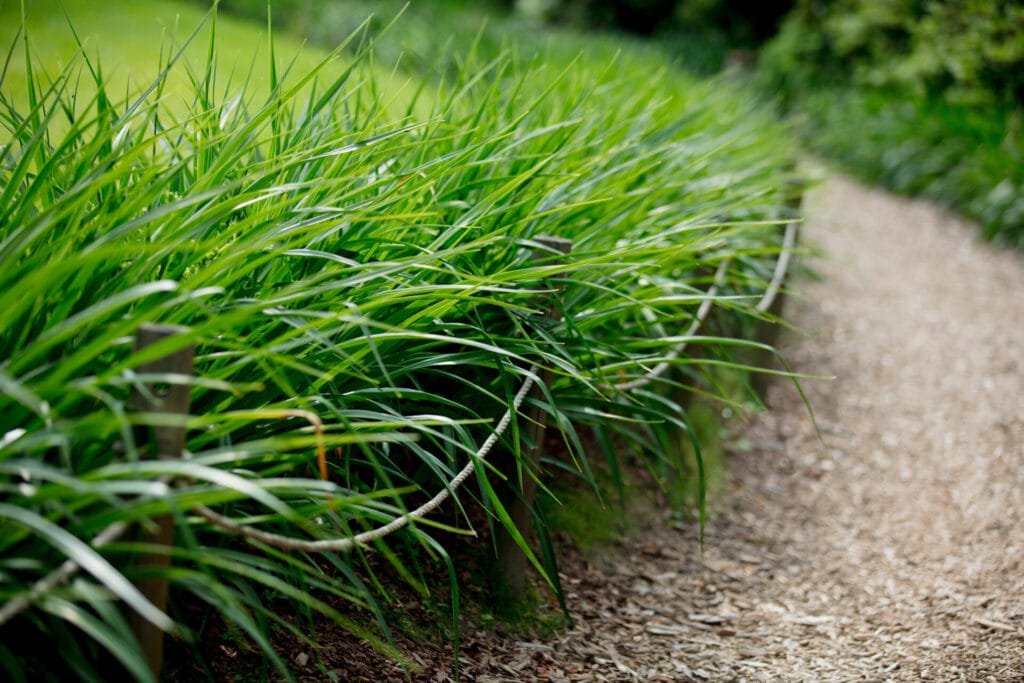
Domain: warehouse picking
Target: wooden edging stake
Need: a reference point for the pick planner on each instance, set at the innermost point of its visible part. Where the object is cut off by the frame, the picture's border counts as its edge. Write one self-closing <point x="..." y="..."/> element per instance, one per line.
<point x="512" y="563"/>
<point x="165" y="442"/>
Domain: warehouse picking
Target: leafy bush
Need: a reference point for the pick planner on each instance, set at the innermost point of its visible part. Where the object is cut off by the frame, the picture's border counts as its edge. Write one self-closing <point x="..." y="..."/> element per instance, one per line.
<point x="335" y="263"/>
<point x="956" y="155"/>
<point x="965" y="52"/>
<point x="924" y="97"/>
<point x="741" y="22"/>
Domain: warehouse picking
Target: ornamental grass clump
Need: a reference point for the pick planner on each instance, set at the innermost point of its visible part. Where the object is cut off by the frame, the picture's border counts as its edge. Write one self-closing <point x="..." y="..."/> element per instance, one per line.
<point x="366" y="295"/>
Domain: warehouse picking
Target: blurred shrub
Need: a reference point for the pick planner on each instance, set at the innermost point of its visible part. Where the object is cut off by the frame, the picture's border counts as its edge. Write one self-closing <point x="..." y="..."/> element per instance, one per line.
<point x="739" y="22"/>
<point x="636" y="16"/>
<point x="965" y="51"/>
<point x="923" y="96"/>
<point x="970" y="160"/>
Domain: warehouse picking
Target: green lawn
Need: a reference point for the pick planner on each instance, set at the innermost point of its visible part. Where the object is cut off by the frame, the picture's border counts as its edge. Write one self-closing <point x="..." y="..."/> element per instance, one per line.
<point x="133" y="42"/>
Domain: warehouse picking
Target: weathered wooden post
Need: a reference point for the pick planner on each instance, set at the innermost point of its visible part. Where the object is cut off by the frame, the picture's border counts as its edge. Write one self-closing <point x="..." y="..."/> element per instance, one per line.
<point x="512" y="562"/>
<point x="165" y="441"/>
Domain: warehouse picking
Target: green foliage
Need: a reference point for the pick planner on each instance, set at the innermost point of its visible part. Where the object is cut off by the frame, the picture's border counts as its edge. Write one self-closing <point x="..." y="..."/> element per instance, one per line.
<point x="636" y="16"/>
<point x="328" y="255"/>
<point x="973" y="51"/>
<point x="964" y="51"/>
<point x="968" y="159"/>
<point x="592" y="521"/>
<point x="925" y="97"/>
<point x="433" y="37"/>
<point x="740" y="22"/>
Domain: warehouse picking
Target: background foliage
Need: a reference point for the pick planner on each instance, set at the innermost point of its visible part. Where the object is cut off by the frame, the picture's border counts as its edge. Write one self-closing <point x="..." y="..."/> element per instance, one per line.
<point x="961" y="51"/>
<point x="925" y="97"/>
<point x="741" y="22"/>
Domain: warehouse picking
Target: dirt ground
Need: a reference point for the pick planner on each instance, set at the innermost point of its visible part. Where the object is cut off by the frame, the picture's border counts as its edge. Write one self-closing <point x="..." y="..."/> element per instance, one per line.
<point x="889" y="549"/>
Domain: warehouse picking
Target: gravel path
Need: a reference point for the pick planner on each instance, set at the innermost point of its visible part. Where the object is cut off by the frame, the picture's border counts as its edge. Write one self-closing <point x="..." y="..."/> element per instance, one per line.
<point x="904" y="531"/>
<point x="892" y="548"/>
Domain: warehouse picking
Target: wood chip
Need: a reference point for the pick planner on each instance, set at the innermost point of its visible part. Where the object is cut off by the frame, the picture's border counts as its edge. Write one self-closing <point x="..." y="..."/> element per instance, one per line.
<point x="666" y="630"/>
<point x="808" y="620"/>
<point x="710" y="619"/>
<point x="997" y="625"/>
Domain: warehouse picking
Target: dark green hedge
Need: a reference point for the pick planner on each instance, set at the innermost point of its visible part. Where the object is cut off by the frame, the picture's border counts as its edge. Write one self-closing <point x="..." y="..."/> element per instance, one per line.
<point x="924" y="97"/>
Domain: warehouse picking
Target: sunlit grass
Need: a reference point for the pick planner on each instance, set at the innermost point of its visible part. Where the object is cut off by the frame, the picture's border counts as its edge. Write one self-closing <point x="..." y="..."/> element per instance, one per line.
<point x="328" y="252"/>
<point x="134" y="40"/>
